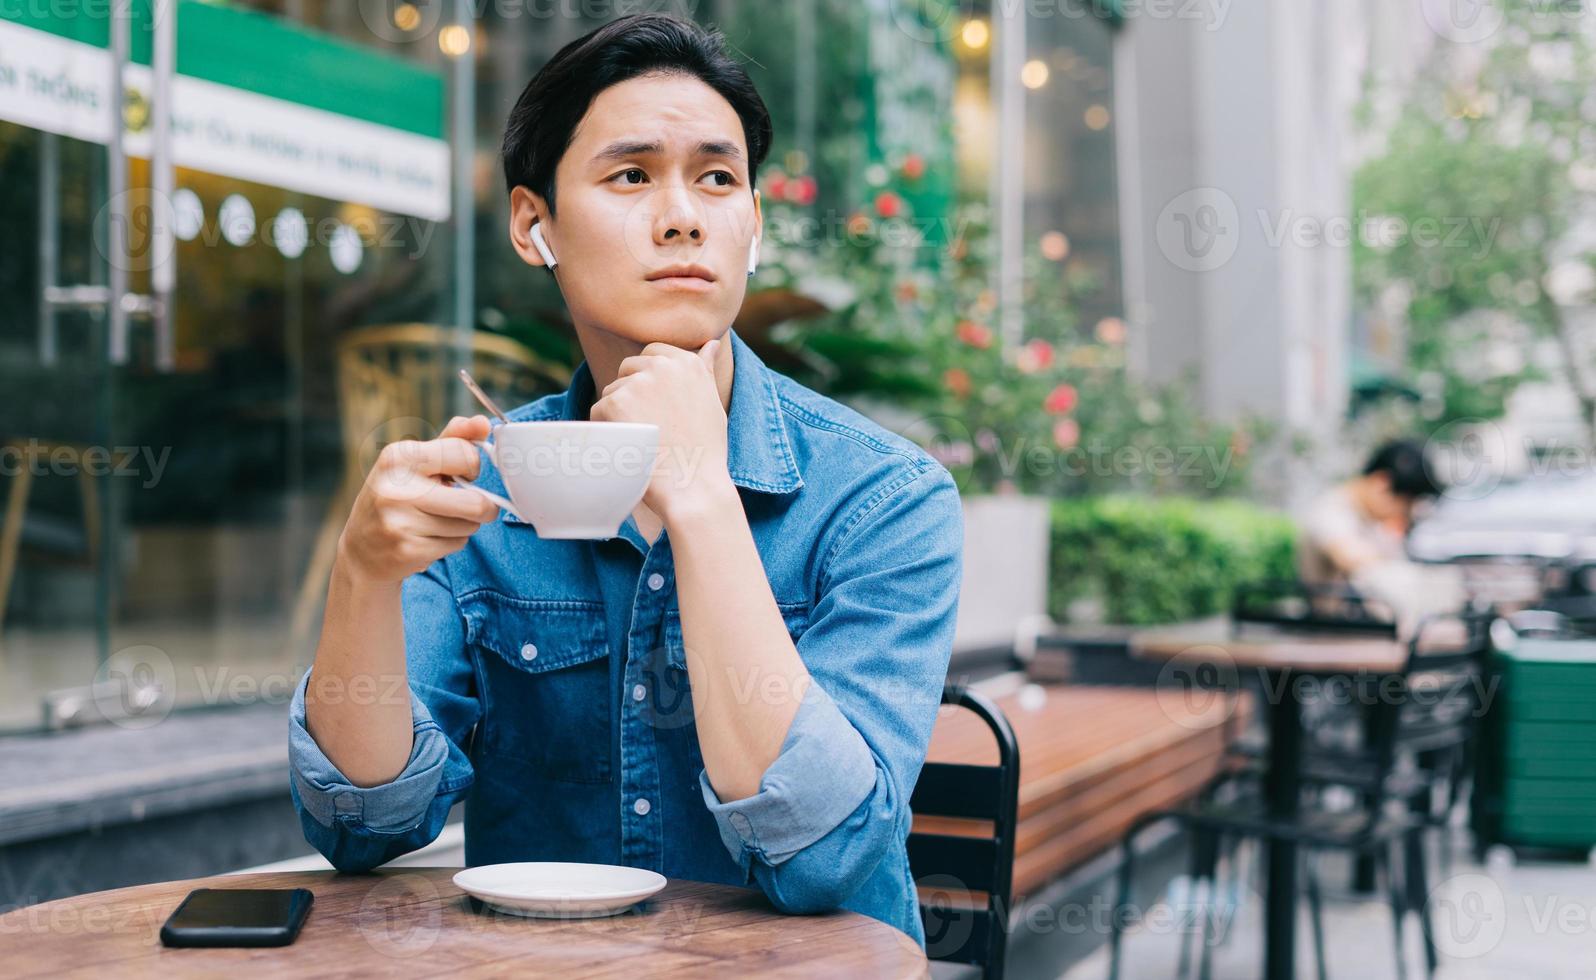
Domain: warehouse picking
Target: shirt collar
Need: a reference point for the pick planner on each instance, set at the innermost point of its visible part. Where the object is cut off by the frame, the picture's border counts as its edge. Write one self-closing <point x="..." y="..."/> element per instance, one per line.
<point x="758" y="451"/>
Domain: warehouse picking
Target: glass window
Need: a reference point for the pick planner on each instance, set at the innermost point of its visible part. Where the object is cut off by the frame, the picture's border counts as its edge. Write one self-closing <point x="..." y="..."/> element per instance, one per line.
<point x="167" y="522"/>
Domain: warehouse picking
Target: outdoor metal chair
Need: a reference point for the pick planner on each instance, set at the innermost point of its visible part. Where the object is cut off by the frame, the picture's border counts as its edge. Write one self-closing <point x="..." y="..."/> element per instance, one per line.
<point x="1435" y="705"/>
<point x="951" y="867"/>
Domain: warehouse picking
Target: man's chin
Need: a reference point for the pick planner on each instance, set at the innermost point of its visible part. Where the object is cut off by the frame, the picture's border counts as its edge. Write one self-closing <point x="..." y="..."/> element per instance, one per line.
<point x="688" y="328"/>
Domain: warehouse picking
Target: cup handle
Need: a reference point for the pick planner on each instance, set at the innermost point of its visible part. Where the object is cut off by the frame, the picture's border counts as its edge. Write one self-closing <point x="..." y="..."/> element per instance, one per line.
<point x="487" y="447"/>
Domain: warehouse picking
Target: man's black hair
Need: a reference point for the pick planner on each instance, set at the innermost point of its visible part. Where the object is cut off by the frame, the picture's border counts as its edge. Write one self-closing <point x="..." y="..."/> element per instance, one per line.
<point x="1404" y="464"/>
<point x="545" y="117"/>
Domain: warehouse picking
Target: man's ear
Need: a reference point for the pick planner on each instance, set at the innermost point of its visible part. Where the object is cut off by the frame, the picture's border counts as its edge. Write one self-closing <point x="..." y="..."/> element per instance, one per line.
<point x="526" y="209"/>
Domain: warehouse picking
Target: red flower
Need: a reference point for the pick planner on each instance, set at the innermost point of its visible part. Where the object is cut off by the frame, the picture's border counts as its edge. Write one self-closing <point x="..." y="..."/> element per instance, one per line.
<point x="776" y="185"/>
<point x="914" y="166"/>
<point x="1061" y="399"/>
<point x="1111" y="330"/>
<point x="907" y="291"/>
<point x="859" y="224"/>
<point x="802" y="190"/>
<point x="958" y="381"/>
<point x="975" y="334"/>
<point x="1036" y="355"/>
<point x="888" y="204"/>
<point x="1066" y="433"/>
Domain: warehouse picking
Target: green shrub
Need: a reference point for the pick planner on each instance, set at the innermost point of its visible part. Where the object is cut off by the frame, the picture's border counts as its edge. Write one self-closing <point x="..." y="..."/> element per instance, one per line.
<point x="1158" y="560"/>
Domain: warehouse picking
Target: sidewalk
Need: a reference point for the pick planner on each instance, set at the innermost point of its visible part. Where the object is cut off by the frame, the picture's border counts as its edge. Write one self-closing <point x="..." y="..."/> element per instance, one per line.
<point x="1535" y="918"/>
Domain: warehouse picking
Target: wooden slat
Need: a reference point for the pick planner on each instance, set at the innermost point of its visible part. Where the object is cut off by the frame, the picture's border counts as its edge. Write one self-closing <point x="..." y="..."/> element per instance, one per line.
<point x="1093" y="760"/>
<point x="971" y="861"/>
<point x="955" y="790"/>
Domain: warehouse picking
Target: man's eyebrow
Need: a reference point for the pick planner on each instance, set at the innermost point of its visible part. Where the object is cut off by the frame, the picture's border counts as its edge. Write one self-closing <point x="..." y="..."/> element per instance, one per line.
<point x="621" y="149"/>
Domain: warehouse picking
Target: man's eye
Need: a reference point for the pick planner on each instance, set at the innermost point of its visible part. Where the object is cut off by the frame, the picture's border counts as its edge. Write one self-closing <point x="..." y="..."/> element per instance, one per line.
<point x="625" y="174"/>
<point x="730" y="178"/>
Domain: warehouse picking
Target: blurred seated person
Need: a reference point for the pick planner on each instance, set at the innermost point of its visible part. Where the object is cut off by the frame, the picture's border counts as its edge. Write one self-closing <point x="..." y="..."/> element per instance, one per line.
<point x="1353" y="536"/>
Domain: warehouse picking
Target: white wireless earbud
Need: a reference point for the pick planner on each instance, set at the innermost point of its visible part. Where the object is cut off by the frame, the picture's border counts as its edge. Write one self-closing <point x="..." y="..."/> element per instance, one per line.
<point x="541" y="245"/>
<point x="753" y="255"/>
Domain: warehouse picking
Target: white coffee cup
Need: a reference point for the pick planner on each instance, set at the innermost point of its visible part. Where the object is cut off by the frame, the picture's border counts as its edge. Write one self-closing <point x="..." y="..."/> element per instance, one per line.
<point x="572" y="479"/>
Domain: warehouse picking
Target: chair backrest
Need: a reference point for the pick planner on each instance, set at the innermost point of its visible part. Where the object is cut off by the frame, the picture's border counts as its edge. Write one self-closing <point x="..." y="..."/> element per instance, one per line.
<point x="398" y="382"/>
<point x="953" y="865"/>
<point x="1439" y="697"/>
<point x="1317" y="608"/>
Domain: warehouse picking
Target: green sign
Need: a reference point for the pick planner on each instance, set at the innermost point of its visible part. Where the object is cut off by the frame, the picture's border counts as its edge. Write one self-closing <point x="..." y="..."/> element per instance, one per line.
<point x="262" y="54"/>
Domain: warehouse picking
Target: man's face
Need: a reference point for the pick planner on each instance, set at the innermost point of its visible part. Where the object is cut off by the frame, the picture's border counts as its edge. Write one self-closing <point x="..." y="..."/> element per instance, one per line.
<point x="656" y="177"/>
<point x="1384" y="504"/>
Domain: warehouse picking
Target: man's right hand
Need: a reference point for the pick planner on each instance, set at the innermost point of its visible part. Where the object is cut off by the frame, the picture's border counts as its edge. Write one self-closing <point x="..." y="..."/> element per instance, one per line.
<point x="407" y="516"/>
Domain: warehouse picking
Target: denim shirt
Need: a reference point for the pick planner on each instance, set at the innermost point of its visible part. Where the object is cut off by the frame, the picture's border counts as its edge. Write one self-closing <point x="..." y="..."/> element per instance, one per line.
<point x="549" y="685"/>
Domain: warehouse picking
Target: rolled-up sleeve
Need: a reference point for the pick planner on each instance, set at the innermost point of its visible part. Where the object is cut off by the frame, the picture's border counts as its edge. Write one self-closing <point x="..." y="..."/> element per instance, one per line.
<point x="836" y="799"/>
<point x="357" y="828"/>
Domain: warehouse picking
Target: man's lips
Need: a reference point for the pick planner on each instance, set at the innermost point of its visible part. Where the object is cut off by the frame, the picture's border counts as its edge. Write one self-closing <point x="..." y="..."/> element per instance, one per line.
<point x="684" y="278"/>
<point x="681" y="272"/>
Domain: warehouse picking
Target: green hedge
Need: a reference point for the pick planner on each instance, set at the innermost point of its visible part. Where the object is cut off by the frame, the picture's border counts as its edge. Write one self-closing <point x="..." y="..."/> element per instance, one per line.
<point x="1157" y="560"/>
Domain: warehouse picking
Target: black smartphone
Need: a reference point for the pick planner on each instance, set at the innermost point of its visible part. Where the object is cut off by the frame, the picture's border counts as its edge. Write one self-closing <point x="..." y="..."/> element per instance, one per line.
<point x="238" y="917"/>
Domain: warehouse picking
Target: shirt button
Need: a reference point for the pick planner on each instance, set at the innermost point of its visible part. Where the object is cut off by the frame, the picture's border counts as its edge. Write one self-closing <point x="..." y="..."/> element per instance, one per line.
<point x="641" y="807"/>
<point x="639" y="692"/>
<point x="656" y="581"/>
<point x="529" y="651"/>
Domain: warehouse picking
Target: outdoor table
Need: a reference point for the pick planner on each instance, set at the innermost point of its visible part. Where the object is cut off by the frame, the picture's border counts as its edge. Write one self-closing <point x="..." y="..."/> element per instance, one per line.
<point x="415" y="921"/>
<point x="1279" y="655"/>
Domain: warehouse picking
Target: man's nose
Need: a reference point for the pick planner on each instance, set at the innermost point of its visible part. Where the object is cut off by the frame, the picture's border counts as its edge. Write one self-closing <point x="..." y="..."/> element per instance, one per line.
<point x="678" y="219"/>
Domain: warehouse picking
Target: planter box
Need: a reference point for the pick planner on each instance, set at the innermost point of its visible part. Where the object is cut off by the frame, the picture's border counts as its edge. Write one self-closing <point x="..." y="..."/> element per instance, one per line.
<point x="1006" y="540"/>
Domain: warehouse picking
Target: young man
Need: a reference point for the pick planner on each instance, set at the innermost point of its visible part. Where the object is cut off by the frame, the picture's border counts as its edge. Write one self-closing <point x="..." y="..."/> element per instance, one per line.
<point x="1354" y="535"/>
<point x="741" y="686"/>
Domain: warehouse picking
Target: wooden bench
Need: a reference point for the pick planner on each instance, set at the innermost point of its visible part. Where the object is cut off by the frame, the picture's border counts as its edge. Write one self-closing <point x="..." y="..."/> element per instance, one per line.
<point x="1092" y="760"/>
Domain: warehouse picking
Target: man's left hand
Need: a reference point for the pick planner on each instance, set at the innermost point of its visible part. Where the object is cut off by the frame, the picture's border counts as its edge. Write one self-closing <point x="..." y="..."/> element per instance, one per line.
<point x="675" y="390"/>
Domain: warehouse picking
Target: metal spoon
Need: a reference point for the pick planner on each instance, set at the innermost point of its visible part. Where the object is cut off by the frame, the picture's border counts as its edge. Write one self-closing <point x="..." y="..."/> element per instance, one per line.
<point x="482" y="396"/>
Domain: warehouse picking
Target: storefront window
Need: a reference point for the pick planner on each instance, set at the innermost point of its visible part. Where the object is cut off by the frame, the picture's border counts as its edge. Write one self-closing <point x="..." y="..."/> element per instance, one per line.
<point x="166" y="491"/>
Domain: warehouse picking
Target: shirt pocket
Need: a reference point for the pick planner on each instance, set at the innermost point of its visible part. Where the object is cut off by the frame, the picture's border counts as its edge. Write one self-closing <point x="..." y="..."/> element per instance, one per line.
<point x="546" y="682"/>
<point x="670" y="702"/>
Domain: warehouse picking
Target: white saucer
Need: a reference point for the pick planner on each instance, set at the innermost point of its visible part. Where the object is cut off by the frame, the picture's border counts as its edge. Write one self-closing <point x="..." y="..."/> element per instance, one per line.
<point x="558" y="889"/>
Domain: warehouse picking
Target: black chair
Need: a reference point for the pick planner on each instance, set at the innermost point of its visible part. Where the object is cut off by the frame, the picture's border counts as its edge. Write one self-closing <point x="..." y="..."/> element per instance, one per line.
<point x="1573" y="595"/>
<point x="1292" y="604"/>
<point x="951" y="865"/>
<point x="1322" y="610"/>
<point x="1434" y="706"/>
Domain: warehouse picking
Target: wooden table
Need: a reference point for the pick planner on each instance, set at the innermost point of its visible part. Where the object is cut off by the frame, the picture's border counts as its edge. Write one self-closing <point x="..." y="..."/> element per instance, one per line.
<point x="415" y="922"/>
<point x="1221" y="648"/>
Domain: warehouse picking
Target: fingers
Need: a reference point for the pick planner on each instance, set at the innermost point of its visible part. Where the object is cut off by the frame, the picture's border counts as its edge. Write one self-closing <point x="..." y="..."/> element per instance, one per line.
<point x="436" y="457"/>
<point x="457" y="503"/>
<point x="433" y="526"/>
<point x="707" y="353"/>
<point x="461" y="427"/>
